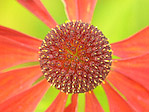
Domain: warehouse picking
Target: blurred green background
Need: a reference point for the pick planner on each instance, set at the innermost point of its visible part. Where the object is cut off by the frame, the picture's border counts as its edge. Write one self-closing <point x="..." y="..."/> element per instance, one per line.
<point x="118" y="19"/>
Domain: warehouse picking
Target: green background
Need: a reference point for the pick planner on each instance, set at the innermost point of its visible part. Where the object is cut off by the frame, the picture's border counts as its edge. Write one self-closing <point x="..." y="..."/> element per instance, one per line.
<point x="118" y="19"/>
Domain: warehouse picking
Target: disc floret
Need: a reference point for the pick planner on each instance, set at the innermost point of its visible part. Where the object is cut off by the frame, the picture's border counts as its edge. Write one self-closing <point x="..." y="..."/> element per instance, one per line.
<point x="75" y="57"/>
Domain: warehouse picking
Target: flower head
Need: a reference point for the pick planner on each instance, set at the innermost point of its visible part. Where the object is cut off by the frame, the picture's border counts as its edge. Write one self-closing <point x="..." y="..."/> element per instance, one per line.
<point x="74" y="57"/>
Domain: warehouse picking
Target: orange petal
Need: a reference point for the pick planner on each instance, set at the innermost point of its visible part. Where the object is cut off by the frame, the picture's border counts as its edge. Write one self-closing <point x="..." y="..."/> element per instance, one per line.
<point x="116" y="102"/>
<point x="38" y="9"/>
<point x="73" y="107"/>
<point x="137" y="96"/>
<point x="136" y="45"/>
<point x="27" y="100"/>
<point x="91" y="103"/>
<point x="16" y="48"/>
<point x="58" y="104"/>
<point x="15" y="81"/>
<point x="136" y="69"/>
<point x="80" y="9"/>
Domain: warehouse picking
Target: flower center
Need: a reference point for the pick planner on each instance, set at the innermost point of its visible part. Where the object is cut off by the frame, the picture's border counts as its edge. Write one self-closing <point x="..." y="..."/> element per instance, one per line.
<point x="75" y="57"/>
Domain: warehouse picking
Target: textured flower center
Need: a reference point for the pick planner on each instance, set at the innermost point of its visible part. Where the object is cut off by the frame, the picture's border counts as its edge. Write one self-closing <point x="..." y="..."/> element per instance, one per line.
<point x="75" y="57"/>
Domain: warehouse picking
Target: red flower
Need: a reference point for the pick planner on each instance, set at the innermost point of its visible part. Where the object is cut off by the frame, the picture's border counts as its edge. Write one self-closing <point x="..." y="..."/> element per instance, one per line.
<point x="126" y="87"/>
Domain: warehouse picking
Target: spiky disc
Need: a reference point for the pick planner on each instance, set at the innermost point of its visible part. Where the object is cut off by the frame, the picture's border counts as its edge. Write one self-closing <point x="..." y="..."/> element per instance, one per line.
<point x="75" y="57"/>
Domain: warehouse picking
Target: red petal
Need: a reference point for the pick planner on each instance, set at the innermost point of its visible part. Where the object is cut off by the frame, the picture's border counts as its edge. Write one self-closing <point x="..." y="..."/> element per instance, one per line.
<point x="136" y="69"/>
<point x="136" y="45"/>
<point x="91" y="103"/>
<point x="137" y="96"/>
<point x="71" y="9"/>
<point x="80" y="9"/>
<point x="16" y="48"/>
<point x="116" y="102"/>
<point x="15" y="81"/>
<point x="32" y="42"/>
<point x="27" y="100"/>
<point x="86" y="9"/>
<point x="58" y="104"/>
<point x="38" y="9"/>
<point x="73" y="107"/>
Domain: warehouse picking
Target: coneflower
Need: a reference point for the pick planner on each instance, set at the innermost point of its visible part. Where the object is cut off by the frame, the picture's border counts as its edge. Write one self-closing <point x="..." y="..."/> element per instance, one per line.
<point x="75" y="57"/>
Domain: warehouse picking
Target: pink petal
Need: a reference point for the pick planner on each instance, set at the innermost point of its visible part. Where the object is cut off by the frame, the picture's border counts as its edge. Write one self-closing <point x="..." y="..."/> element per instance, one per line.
<point x="91" y="103"/>
<point x="15" y="81"/>
<point x="80" y="9"/>
<point x="136" y="45"/>
<point x="16" y="48"/>
<point x="27" y="100"/>
<point x="38" y="9"/>
<point x="73" y="107"/>
<point x="58" y="104"/>
<point x="136" y="69"/>
<point x="137" y="96"/>
<point x="116" y="102"/>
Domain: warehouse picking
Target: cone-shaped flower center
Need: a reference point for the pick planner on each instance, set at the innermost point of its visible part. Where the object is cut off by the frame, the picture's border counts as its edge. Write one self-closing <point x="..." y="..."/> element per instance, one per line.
<point x="75" y="57"/>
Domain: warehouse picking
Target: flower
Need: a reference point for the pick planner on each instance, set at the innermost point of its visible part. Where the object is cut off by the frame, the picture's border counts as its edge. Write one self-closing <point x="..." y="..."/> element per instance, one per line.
<point x="126" y="87"/>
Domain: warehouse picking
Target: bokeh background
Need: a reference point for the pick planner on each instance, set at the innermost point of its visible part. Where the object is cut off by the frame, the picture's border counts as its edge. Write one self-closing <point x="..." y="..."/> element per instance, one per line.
<point x="118" y="19"/>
